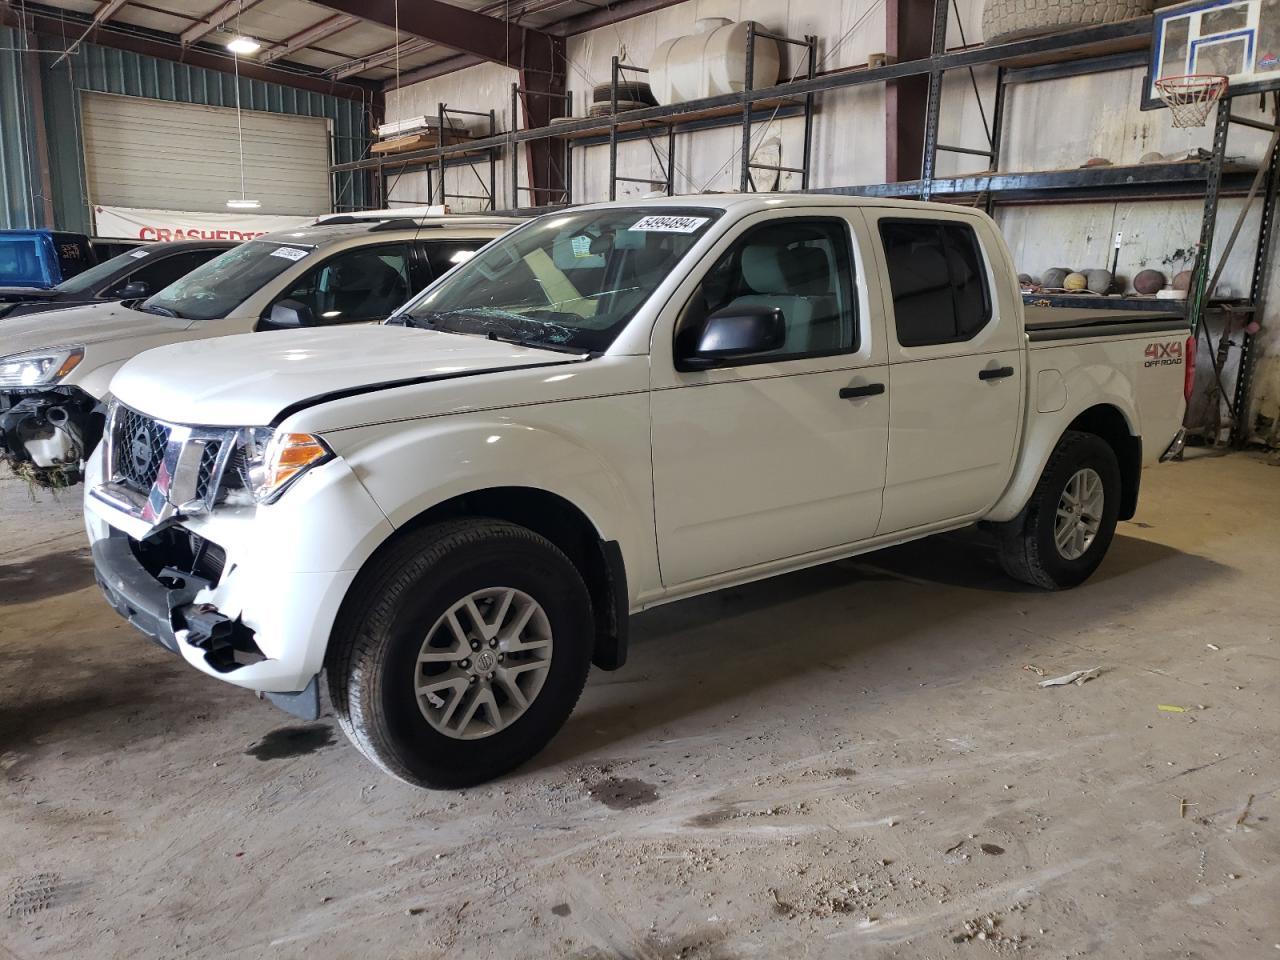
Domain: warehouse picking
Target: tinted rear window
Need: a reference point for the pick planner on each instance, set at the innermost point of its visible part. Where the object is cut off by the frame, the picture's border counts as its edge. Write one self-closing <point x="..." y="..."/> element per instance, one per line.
<point x="938" y="280"/>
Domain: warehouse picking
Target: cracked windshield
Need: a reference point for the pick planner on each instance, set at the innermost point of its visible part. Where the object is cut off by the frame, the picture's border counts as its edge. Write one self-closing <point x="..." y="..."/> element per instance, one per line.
<point x="566" y="282"/>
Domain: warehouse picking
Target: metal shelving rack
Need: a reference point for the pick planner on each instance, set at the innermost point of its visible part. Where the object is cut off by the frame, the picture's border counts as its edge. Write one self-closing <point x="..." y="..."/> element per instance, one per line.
<point x="1108" y="47"/>
<point x="677" y="118"/>
<point x="462" y="154"/>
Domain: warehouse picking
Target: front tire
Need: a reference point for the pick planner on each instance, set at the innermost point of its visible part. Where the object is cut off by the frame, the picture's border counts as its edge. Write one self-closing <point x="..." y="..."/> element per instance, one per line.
<point x="1064" y="531"/>
<point x="463" y="650"/>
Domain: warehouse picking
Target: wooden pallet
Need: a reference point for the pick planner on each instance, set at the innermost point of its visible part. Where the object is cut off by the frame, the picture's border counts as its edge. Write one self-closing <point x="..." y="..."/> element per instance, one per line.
<point x="422" y="140"/>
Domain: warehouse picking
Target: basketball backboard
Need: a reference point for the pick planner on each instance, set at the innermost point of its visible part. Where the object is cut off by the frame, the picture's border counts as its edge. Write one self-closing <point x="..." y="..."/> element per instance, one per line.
<point x="1239" y="39"/>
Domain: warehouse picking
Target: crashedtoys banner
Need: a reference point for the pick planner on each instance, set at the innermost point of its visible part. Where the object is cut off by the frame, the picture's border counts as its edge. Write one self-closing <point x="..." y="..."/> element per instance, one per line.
<point x="133" y="223"/>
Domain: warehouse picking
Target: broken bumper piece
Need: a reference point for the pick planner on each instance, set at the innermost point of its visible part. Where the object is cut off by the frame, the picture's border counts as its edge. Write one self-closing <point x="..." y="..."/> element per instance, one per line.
<point x="166" y="611"/>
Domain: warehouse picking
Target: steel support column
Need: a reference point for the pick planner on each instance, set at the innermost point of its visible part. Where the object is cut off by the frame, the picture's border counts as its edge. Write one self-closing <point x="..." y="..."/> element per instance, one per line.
<point x="906" y="99"/>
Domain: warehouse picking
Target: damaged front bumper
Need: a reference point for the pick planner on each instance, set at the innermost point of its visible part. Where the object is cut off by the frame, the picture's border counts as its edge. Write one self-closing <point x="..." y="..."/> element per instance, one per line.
<point x="246" y="595"/>
<point x="47" y="434"/>
<point x="166" y="609"/>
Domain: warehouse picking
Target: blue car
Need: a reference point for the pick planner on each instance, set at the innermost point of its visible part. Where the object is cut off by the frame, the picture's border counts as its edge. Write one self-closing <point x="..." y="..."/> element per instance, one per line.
<point x="42" y="258"/>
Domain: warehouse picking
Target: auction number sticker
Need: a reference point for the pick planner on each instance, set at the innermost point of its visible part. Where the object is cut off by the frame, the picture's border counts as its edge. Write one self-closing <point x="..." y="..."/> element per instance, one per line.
<point x="660" y="224"/>
<point x="289" y="253"/>
<point x="139" y="254"/>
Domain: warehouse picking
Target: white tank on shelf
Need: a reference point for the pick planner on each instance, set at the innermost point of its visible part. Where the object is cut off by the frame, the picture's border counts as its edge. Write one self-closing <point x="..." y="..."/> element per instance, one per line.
<point x="711" y="62"/>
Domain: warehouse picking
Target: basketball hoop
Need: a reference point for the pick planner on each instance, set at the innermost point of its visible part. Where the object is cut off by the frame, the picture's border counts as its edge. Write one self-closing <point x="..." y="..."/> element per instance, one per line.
<point x="1190" y="98"/>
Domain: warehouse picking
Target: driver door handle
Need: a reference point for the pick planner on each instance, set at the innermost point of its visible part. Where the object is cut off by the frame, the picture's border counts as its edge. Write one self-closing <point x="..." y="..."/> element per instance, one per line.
<point x="996" y="373"/>
<point x="868" y="390"/>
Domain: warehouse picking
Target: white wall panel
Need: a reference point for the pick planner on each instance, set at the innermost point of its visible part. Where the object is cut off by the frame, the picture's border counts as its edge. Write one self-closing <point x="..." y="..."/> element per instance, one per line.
<point x="482" y="88"/>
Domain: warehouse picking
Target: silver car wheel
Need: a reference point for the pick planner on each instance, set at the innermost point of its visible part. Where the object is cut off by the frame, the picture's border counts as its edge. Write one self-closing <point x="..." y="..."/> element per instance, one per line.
<point x="1079" y="514"/>
<point x="483" y="663"/>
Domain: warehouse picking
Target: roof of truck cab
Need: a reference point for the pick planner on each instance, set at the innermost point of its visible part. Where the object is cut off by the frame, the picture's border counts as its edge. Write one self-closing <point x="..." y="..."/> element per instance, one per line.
<point x="746" y="202"/>
<point x="314" y="235"/>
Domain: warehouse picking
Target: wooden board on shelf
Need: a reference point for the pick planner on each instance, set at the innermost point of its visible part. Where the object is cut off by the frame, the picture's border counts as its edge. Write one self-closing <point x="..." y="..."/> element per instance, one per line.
<point x="422" y="140"/>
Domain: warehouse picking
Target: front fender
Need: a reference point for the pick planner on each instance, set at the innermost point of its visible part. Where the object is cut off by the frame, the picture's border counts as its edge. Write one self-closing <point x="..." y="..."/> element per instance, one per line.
<point x="593" y="453"/>
<point x="1087" y="386"/>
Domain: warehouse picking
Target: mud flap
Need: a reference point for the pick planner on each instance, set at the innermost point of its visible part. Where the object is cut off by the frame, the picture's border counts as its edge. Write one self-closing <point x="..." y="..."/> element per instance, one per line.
<point x="305" y="704"/>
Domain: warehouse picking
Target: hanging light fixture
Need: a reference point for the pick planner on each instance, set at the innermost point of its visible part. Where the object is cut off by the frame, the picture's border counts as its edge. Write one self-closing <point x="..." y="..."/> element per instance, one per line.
<point x="244" y="46"/>
<point x="241" y="44"/>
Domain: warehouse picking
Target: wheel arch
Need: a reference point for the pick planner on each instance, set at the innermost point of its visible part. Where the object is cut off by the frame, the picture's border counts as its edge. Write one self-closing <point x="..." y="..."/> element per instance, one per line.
<point x="564" y="524"/>
<point x="1108" y="419"/>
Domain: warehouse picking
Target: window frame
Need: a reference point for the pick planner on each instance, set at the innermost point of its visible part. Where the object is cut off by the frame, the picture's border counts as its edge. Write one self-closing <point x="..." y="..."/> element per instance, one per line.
<point x="938" y="223"/>
<point x="847" y="274"/>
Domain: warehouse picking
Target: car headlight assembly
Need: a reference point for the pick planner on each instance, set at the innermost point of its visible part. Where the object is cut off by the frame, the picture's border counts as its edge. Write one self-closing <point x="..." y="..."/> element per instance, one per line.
<point x="273" y="460"/>
<point x="39" y="368"/>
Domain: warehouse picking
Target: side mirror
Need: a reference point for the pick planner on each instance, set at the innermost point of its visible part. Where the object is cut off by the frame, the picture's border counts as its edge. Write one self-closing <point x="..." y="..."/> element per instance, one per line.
<point x="289" y="315"/>
<point x="736" y="332"/>
<point x="135" y="290"/>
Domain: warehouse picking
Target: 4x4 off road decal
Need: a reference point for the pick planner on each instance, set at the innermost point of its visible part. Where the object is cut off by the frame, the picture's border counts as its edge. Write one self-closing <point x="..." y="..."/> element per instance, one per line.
<point x="1163" y="355"/>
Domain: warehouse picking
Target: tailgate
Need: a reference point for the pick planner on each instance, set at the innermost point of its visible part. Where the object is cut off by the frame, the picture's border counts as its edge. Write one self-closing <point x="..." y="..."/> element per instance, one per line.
<point x="1078" y="323"/>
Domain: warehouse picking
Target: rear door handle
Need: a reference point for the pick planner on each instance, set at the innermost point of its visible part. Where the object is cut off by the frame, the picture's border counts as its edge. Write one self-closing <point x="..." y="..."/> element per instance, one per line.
<point x="854" y="393"/>
<point x="995" y="373"/>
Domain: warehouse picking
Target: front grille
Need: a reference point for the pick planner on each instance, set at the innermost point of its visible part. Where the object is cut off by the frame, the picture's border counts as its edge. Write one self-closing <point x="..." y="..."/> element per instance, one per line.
<point x="138" y="449"/>
<point x="208" y="466"/>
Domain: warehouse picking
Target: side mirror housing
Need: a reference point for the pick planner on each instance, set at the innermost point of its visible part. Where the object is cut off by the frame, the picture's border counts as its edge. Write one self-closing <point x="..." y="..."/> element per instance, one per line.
<point x="135" y="290"/>
<point x="736" y="332"/>
<point x="289" y="315"/>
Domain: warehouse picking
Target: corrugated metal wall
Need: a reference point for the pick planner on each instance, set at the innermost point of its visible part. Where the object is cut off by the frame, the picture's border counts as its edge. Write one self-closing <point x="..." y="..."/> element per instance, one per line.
<point x="107" y="70"/>
<point x="18" y="207"/>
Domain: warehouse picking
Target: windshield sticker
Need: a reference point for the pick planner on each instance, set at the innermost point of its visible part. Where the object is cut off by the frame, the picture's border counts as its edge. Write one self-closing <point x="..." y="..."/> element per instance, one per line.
<point x="581" y="246"/>
<point x="670" y="224"/>
<point x="289" y="253"/>
<point x="136" y="254"/>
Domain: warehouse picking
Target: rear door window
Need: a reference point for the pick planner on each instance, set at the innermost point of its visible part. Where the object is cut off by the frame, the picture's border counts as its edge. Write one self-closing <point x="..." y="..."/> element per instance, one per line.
<point x="938" y="280"/>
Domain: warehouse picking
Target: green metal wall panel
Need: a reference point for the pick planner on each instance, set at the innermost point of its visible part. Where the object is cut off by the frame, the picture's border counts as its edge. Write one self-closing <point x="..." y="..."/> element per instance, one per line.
<point x="107" y="70"/>
<point x="18" y="179"/>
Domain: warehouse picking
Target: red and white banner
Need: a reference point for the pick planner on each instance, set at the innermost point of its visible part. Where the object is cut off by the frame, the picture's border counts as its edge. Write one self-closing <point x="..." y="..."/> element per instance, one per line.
<point x="134" y="223"/>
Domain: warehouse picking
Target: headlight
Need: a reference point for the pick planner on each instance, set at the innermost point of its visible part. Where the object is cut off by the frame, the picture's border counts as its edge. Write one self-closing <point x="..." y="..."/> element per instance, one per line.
<point x="39" y="368"/>
<point x="273" y="460"/>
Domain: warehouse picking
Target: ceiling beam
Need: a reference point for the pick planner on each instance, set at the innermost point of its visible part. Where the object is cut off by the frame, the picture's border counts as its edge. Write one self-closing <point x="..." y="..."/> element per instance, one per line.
<point x="452" y="63"/>
<point x="215" y="18"/>
<point x="164" y="47"/>
<point x="304" y="38"/>
<point x="382" y="58"/>
<point x="608" y="15"/>
<point x="107" y="10"/>
<point x="493" y="39"/>
<point x="602" y="17"/>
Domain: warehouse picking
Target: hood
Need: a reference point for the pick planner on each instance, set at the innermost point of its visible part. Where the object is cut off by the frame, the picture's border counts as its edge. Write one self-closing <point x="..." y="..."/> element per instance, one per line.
<point x="81" y="325"/>
<point x="248" y="379"/>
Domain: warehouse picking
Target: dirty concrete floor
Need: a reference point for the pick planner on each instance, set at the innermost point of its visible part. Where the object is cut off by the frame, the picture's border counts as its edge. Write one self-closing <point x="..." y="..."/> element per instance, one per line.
<point x="851" y="761"/>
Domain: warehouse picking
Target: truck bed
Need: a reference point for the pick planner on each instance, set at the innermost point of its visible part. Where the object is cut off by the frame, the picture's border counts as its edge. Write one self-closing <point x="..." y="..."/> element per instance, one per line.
<point x="1077" y="323"/>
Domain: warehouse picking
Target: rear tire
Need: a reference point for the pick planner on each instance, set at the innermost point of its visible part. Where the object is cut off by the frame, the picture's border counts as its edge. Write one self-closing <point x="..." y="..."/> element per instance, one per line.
<point x="1064" y="531"/>
<point x="487" y="587"/>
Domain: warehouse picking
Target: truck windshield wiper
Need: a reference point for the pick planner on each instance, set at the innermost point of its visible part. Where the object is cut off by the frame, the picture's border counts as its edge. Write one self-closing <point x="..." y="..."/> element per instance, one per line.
<point x="160" y="311"/>
<point x="497" y="324"/>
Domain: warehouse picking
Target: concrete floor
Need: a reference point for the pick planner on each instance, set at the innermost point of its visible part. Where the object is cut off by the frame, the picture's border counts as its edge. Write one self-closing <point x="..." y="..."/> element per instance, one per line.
<point x="851" y="761"/>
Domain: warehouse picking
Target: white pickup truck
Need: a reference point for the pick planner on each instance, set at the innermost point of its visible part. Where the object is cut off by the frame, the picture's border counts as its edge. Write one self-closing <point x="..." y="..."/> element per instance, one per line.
<point x="612" y="407"/>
